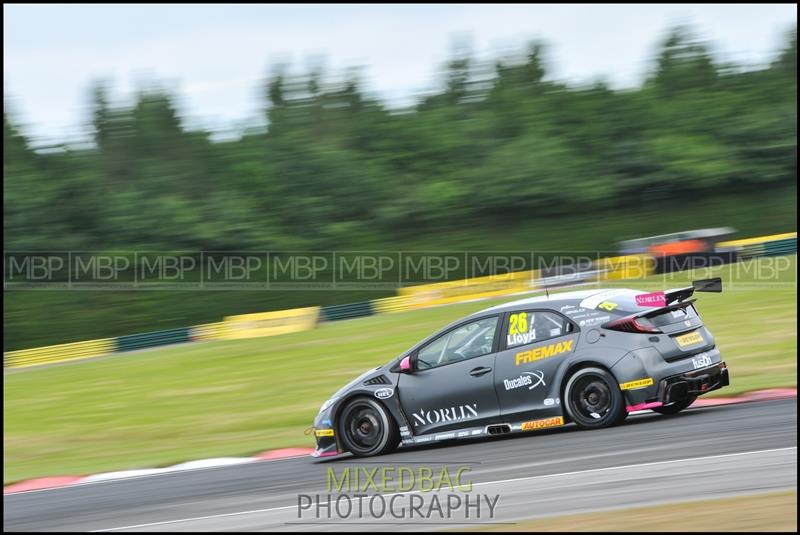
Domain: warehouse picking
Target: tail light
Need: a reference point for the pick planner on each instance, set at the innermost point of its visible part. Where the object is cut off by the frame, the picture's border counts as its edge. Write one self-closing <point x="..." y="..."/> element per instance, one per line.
<point x="632" y="324"/>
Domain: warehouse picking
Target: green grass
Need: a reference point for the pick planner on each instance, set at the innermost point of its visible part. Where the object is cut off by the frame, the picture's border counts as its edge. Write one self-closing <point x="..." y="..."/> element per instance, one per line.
<point x="238" y="397"/>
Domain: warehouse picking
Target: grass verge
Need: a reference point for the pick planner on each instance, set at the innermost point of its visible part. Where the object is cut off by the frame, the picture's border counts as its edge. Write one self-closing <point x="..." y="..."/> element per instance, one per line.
<point x="760" y="512"/>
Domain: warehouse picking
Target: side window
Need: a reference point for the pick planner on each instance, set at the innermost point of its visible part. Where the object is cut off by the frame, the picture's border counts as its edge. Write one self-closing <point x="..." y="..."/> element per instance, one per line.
<point x="528" y="327"/>
<point x="465" y="342"/>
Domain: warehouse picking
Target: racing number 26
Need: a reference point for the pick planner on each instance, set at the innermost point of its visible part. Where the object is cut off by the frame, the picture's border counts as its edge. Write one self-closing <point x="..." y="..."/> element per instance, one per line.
<point x="518" y="323"/>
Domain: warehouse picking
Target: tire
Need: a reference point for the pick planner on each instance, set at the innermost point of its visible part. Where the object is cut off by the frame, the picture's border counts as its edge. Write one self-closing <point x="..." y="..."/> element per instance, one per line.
<point x="366" y="428"/>
<point x="593" y="399"/>
<point x="675" y="408"/>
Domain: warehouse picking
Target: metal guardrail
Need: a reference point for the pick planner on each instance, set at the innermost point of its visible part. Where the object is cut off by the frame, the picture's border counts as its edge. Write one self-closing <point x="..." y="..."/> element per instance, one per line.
<point x="152" y="339"/>
<point x="386" y="305"/>
<point x="347" y="311"/>
<point x="207" y="331"/>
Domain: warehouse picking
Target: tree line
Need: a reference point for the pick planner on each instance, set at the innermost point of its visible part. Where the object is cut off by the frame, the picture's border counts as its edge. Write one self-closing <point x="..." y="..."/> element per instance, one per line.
<point x="335" y="167"/>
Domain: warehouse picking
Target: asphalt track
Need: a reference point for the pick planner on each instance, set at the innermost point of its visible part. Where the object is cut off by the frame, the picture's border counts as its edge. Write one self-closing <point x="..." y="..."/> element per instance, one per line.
<point x="703" y="453"/>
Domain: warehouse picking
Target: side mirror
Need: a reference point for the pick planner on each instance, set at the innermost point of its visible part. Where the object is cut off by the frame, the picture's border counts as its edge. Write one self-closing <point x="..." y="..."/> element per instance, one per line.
<point x="405" y="364"/>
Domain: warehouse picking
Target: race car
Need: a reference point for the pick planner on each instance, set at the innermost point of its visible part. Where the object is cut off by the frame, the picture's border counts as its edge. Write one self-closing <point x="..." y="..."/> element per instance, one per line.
<point x="590" y="357"/>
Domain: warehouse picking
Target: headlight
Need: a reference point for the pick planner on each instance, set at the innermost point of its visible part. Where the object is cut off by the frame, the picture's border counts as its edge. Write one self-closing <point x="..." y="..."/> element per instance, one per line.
<point x="327" y="404"/>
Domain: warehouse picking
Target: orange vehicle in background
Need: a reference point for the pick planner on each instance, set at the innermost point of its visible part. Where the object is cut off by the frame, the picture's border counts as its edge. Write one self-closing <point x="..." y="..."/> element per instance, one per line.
<point x="679" y="247"/>
<point x="677" y="243"/>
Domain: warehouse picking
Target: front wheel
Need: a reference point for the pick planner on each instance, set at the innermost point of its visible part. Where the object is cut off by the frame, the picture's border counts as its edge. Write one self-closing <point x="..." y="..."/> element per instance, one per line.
<point x="366" y="428"/>
<point x="594" y="399"/>
<point x="675" y="408"/>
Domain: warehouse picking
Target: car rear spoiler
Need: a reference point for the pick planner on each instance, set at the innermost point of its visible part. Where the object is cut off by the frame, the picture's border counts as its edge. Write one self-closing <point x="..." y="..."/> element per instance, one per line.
<point x="702" y="285"/>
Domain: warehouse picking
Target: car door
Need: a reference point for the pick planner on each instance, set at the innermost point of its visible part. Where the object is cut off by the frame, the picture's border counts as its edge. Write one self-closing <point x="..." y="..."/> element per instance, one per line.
<point x="533" y="344"/>
<point x="451" y="384"/>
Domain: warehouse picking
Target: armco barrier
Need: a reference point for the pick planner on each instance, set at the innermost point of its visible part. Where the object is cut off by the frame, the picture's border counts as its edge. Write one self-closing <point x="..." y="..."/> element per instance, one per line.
<point x="385" y="305"/>
<point x="207" y="331"/>
<point x="772" y="245"/>
<point x="780" y="247"/>
<point x="58" y="353"/>
<point x="350" y="310"/>
<point x="153" y="339"/>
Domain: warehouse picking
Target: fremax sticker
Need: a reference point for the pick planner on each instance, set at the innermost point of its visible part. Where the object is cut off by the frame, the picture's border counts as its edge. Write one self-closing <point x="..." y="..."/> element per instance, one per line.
<point x="543" y="352"/>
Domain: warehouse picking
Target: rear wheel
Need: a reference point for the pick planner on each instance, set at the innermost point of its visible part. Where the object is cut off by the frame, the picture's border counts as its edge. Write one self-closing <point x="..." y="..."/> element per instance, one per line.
<point x="675" y="408"/>
<point x="594" y="399"/>
<point x="366" y="428"/>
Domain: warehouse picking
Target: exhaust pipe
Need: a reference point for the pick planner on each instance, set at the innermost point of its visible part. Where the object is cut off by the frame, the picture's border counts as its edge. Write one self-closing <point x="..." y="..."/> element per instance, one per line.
<point x="677" y="391"/>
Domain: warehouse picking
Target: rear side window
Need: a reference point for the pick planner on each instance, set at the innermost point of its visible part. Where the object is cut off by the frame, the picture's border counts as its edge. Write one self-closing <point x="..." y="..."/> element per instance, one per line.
<point x="530" y="326"/>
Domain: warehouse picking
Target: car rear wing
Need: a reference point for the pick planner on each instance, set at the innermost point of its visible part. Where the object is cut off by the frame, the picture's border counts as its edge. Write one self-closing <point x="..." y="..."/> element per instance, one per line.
<point x="702" y="285"/>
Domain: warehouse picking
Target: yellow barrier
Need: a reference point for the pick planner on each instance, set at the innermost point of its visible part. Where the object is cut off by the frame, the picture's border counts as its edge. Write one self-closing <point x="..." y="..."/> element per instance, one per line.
<point x="757" y="240"/>
<point x="270" y="323"/>
<point x="208" y="331"/>
<point x="399" y="303"/>
<point x="58" y="353"/>
<point x="441" y="293"/>
<point x="625" y="267"/>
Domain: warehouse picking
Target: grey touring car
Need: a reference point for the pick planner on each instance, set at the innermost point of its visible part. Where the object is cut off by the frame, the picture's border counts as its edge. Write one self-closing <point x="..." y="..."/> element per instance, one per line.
<point x="589" y="357"/>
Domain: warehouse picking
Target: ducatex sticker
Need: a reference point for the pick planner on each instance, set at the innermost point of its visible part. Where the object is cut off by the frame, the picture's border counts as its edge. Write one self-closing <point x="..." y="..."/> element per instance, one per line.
<point x="324" y="432"/>
<point x="529" y="379"/>
<point x="641" y="383"/>
<point x="544" y="352"/>
<point x="555" y="421"/>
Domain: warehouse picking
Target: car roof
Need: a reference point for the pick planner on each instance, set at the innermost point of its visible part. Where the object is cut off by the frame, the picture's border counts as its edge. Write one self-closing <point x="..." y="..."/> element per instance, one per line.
<point x="553" y="299"/>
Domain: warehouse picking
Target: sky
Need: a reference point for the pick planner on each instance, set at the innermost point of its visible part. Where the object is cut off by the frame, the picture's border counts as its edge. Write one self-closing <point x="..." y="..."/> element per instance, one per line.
<point x="216" y="57"/>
